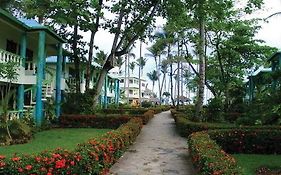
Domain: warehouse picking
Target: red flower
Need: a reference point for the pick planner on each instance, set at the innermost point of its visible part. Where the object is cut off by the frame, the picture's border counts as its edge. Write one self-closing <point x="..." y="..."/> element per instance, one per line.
<point x="28" y="167"/>
<point x="72" y="163"/>
<point x="2" y="164"/>
<point x="49" y="173"/>
<point x="15" y="159"/>
<point x="20" y="170"/>
<point x="2" y="157"/>
<point x="38" y="159"/>
<point x="60" y="163"/>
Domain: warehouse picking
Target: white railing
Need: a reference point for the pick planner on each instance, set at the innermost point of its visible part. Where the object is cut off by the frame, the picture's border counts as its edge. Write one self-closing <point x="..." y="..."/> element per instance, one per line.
<point x="6" y="56"/>
<point x="30" y="68"/>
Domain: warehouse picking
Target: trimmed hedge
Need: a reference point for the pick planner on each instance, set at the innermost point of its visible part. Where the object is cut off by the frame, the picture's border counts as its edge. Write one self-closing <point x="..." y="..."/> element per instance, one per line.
<point x="248" y="141"/>
<point x="94" y="121"/>
<point x="102" y="121"/>
<point x="93" y="157"/>
<point x="209" y="158"/>
<point x="186" y="127"/>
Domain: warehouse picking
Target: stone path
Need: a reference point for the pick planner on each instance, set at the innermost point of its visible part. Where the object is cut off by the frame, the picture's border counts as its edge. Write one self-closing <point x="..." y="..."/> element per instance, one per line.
<point x="158" y="150"/>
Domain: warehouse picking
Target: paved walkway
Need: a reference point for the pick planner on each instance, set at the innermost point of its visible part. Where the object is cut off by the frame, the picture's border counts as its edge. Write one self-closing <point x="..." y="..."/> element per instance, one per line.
<point x="158" y="150"/>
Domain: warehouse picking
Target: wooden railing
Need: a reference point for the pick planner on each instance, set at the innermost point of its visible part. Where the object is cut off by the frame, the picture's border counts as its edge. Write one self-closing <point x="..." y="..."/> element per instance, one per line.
<point x="6" y="56"/>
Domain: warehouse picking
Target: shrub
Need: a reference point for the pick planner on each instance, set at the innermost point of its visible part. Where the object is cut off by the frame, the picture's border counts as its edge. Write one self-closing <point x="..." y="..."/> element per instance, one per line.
<point x="20" y="132"/>
<point x="94" y="121"/>
<point x="209" y="158"/>
<point x="92" y="157"/>
<point x="146" y="104"/>
<point x="248" y="141"/>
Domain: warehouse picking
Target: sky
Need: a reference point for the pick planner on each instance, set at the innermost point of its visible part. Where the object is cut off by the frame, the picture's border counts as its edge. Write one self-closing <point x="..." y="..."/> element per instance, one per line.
<point x="270" y="33"/>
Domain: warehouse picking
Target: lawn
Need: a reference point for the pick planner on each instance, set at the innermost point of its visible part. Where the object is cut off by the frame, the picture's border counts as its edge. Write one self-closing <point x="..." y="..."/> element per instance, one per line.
<point x="51" y="139"/>
<point x="251" y="162"/>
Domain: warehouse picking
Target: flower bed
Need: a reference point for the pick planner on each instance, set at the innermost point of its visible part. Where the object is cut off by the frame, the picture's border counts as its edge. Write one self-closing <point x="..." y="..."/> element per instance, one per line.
<point x="93" y="157"/>
<point x="209" y="158"/>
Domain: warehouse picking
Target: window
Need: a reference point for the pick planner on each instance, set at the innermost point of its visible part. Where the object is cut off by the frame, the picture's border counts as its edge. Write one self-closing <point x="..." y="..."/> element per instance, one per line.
<point x="130" y="91"/>
<point x="11" y="46"/>
<point x="122" y="81"/>
<point x="131" y="81"/>
<point x="29" y="55"/>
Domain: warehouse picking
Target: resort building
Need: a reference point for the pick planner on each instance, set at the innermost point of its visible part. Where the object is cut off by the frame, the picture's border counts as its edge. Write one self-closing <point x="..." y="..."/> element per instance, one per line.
<point x="27" y="44"/>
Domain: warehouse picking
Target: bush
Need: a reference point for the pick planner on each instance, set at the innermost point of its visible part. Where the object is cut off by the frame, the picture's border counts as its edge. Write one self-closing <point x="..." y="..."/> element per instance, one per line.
<point x="93" y="121"/>
<point x="248" y="141"/>
<point x="146" y="104"/>
<point x="92" y="157"/>
<point x="185" y="127"/>
<point x="209" y="158"/>
<point x="20" y="133"/>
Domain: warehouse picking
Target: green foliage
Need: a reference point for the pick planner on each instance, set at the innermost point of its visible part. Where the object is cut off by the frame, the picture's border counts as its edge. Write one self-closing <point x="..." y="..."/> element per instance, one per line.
<point x="146" y="104"/>
<point x="19" y="131"/>
<point x="248" y="140"/>
<point x="78" y="103"/>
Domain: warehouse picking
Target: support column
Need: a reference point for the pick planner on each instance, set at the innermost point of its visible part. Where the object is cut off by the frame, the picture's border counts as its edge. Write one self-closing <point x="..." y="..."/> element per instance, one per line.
<point x="115" y="91"/>
<point x="39" y="78"/>
<point x="105" y="92"/>
<point x="58" y="81"/>
<point x="20" y="97"/>
<point x="118" y="91"/>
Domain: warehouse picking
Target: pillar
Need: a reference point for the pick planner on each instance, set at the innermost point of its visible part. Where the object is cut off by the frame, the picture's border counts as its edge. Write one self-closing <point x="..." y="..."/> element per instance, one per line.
<point x="20" y="97"/>
<point x="58" y="81"/>
<point x="39" y="78"/>
<point x="105" y="92"/>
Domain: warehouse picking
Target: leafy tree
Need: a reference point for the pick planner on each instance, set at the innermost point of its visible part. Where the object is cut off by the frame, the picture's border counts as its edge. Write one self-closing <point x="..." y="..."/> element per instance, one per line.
<point x="133" y="19"/>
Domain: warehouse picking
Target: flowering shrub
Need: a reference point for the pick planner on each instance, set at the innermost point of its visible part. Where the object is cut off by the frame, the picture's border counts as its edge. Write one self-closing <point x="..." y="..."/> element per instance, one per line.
<point x="248" y="141"/>
<point x="209" y="158"/>
<point x="92" y="157"/>
<point x="146" y="116"/>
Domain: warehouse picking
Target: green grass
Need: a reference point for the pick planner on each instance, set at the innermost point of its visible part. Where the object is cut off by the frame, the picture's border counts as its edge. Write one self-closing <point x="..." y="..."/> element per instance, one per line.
<point x="52" y="139"/>
<point x="251" y="162"/>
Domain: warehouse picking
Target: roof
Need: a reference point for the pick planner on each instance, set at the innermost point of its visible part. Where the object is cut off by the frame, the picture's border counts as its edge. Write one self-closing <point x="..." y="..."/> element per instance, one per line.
<point x="261" y="70"/>
<point x="28" y="25"/>
<point x="113" y="76"/>
<point x="274" y="55"/>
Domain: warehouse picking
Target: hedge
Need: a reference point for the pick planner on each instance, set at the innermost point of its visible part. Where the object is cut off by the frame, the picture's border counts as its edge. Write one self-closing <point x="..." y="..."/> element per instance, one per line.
<point x="92" y="157"/>
<point x="247" y="141"/>
<point x="186" y="127"/>
<point x="208" y="148"/>
<point x="209" y="158"/>
<point x="94" y="121"/>
<point x="101" y="121"/>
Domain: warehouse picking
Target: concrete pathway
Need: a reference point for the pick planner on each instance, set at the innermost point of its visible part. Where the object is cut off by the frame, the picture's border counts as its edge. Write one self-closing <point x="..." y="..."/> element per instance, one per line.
<point x="157" y="150"/>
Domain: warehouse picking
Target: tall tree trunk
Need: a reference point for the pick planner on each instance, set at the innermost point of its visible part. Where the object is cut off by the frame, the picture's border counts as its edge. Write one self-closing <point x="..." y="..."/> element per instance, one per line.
<point x="178" y="77"/>
<point x="201" y="48"/>
<point x="76" y="59"/>
<point x="125" y="76"/>
<point x="128" y="87"/>
<point x="159" y="76"/>
<point x="140" y="95"/>
<point x="171" y="77"/>
<point x="91" y="46"/>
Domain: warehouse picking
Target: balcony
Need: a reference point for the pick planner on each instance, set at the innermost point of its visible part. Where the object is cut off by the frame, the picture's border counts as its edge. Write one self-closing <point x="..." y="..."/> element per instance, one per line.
<point x="6" y="56"/>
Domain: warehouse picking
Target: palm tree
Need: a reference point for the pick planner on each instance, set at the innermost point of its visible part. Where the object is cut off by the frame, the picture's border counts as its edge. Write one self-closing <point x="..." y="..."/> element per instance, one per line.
<point x="132" y="66"/>
<point x="153" y="76"/>
<point x="129" y="66"/>
<point x="119" y="63"/>
<point x="141" y="63"/>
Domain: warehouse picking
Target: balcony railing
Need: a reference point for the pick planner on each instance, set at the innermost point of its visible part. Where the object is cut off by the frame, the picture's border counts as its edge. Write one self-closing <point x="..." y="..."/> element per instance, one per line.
<point x="6" y="56"/>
